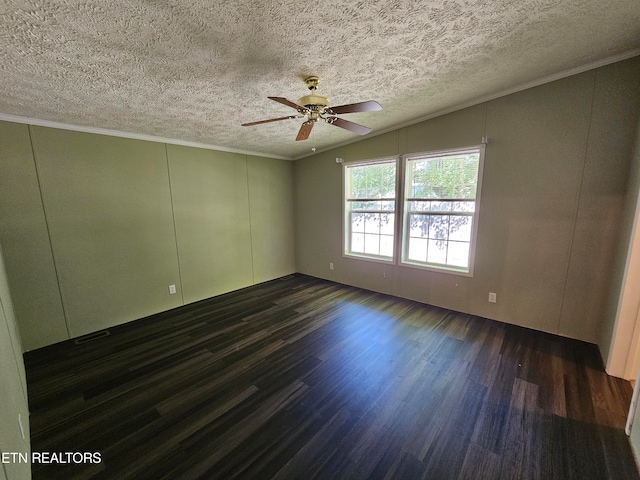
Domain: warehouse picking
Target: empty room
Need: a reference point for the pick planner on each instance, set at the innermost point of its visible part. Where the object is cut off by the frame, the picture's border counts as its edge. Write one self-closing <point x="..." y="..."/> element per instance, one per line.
<point x="348" y="240"/>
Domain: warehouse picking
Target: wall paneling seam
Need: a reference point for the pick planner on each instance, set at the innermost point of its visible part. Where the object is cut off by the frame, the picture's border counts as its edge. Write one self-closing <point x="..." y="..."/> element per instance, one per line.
<point x="46" y="222"/>
<point x="577" y="204"/>
<point x="253" y="267"/>
<point x="173" y="217"/>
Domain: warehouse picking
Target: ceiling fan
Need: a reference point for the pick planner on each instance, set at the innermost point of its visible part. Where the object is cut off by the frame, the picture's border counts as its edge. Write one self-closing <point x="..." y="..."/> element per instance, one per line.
<point x="315" y="107"/>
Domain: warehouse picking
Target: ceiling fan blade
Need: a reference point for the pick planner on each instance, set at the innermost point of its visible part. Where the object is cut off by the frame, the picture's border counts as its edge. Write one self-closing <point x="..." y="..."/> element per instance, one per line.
<point x="370" y="106"/>
<point x="288" y="103"/>
<point x="250" y="124"/>
<point x="347" y="125"/>
<point x="305" y="130"/>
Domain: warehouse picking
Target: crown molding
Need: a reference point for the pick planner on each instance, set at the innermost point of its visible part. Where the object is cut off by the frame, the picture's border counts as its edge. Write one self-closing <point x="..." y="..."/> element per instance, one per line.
<point x="134" y="136"/>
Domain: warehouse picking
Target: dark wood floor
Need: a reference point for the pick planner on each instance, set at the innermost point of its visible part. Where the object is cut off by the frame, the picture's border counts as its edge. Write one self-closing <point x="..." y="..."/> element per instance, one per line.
<point x="301" y="378"/>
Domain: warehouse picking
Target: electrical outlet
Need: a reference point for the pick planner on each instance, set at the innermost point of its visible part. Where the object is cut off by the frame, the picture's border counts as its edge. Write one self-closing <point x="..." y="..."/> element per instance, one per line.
<point x="172" y="289"/>
<point x="492" y="297"/>
<point x="331" y="266"/>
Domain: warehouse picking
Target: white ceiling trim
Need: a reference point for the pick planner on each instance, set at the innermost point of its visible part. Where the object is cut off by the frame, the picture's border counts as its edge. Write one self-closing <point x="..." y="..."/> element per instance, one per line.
<point x="134" y="136"/>
<point x="535" y="83"/>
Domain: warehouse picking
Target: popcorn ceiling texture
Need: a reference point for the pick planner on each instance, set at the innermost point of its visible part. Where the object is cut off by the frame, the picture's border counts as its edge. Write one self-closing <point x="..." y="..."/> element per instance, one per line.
<point x="195" y="70"/>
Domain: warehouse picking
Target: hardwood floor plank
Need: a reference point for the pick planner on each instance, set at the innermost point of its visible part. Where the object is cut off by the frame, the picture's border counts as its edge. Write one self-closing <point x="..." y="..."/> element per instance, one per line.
<point x="206" y="448"/>
<point x="480" y="463"/>
<point x="314" y="455"/>
<point x="459" y="414"/>
<point x="305" y="378"/>
<point x="521" y="454"/>
<point x="134" y="460"/>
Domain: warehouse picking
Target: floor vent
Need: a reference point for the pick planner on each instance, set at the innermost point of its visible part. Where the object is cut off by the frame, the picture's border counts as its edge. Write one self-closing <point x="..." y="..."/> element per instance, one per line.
<point x="91" y="337"/>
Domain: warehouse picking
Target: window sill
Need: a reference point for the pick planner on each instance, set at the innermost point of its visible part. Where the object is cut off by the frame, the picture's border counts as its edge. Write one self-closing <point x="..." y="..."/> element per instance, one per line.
<point x="368" y="258"/>
<point x="462" y="272"/>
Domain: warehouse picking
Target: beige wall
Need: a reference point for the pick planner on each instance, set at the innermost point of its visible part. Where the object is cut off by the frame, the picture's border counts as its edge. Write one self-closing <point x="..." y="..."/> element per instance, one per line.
<point x="13" y="400"/>
<point x="604" y="197"/>
<point x="620" y="334"/>
<point x="555" y="180"/>
<point x="96" y="228"/>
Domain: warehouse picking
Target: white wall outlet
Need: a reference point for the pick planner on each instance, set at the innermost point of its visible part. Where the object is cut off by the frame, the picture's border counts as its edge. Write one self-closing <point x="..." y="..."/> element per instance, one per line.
<point x="21" y="427"/>
<point x="492" y="297"/>
<point x="172" y="289"/>
<point x="331" y="266"/>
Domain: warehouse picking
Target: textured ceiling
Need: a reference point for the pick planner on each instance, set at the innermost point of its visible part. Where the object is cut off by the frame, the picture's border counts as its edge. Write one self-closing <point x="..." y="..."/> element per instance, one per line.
<point x="194" y="70"/>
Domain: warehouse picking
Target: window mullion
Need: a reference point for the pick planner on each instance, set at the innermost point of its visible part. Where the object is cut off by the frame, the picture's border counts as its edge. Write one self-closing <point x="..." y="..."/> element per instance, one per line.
<point x="399" y="244"/>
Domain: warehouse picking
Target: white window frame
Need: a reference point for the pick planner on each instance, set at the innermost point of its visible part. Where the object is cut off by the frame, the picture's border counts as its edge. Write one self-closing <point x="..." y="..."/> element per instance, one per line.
<point x="406" y="199"/>
<point x="346" y="211"/>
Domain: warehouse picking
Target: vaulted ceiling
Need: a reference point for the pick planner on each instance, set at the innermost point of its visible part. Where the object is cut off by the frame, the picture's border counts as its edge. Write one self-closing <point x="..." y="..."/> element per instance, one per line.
<point x="195" y="70"/>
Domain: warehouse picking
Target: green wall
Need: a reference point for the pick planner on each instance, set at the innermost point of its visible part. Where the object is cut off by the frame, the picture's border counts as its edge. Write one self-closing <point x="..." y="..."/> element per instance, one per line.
<point x="108" y="209"/>
<point x="13" y="400"/>
<point x="25" y="240"/>
<point x="211" y="198"/>
<point x="270" y="207"/>
<point x="554" y="189"/>
<point x="95" y="228"/>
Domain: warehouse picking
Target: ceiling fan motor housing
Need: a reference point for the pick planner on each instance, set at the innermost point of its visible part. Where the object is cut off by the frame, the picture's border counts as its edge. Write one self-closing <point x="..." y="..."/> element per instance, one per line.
<point x="313" y="102"/>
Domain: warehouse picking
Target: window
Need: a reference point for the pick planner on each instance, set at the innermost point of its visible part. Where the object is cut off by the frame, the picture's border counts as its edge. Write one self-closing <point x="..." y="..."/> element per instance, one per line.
<point x="440" y="209"/>
<point x="370" y="205"/>
<point x="434" y="195"/>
